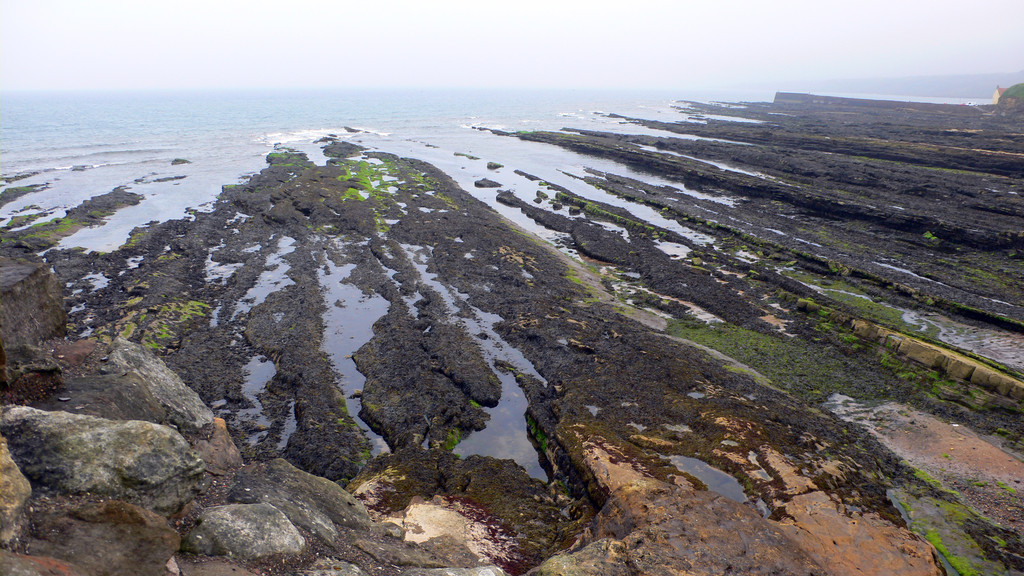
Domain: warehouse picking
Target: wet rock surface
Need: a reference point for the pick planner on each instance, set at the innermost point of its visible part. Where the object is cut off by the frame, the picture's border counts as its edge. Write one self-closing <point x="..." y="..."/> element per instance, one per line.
<point x="641" y="394"/>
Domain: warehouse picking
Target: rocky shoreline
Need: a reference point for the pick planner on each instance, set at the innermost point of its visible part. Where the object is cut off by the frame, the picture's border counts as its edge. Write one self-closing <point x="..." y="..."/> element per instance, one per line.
<point x="362" y="368"/>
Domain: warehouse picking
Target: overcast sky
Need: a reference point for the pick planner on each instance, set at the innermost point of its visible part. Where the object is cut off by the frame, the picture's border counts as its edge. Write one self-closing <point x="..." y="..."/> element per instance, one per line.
<point x="642" y="44"/>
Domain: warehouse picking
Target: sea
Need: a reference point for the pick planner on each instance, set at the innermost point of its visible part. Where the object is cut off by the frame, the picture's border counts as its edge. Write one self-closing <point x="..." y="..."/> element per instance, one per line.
<point x="79" y="145"/>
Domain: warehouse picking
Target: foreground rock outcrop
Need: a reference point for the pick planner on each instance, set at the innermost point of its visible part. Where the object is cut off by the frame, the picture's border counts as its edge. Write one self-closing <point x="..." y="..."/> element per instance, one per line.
<point x="185" y="409"/>
<point x="137" y="461"/>
<point x="245" y="531"/>
<point x="14" y="494"/>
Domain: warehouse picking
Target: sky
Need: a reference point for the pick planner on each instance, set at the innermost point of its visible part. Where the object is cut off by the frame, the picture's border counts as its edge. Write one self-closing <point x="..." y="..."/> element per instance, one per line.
<point x="626" y="44"/>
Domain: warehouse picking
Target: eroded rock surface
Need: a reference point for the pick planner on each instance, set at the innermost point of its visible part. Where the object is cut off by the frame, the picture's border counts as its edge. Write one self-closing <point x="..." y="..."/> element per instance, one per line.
<point x="137" y="461"/>
<point x="14" y="493"/>
<point x="310" y="502"/>
<point x="185" y="409"/>
<point x="115" y="538"/>
<point x="244" y="531"/>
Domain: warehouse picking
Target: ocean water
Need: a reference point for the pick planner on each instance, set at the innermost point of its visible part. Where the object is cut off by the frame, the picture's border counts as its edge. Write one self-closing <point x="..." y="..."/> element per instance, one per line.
<point x="80" y="145"/>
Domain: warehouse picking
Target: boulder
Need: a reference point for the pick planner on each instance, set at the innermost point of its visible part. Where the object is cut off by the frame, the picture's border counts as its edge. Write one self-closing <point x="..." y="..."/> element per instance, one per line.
<point x="219" y="450"/>
<point x="112" y="538"/>
<point x="185" y="409"/>
<point x="399" y="553"/>
<point x="19" y="565"/>
<point x="486" y="183"/>
<point x="31" y="303"/>
<point x="141" y="462"/>
<point x="606" y="557"/>
<point x="111" y="396"/>
<point x="14" y="494"/>
<point x="244" y="531"/>
<point x="310" y="502"/>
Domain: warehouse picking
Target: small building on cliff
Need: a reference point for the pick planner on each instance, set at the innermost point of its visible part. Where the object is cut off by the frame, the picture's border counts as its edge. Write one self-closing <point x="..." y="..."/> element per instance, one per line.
<point x="997" y="94"/>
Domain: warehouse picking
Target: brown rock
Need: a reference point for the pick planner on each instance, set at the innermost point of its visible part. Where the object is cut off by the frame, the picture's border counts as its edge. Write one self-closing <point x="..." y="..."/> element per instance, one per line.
<point x="918" y="351"/>
<point x="14" y="494"/>
<point x="958" y="367"/>
<point x="112" y="538"/>
<point x="19" y="565"/>
<point x="648" y="526"/>
<point x="855" y="544"/>
<point x="74" y="353"/>
<point x="606" y="557"/>
<point x="865" y="330"/>
<point x="219" y="450"/>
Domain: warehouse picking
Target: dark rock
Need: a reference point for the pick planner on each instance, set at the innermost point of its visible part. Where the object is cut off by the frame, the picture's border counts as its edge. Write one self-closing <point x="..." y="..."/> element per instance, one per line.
<point x="522" y="521"/>
<point x="244" y="531"/>
<point x="137" y="461"/>
<point x="110" y="396"/>
<point x="342" y="149"/>
<point x="31" y="374"/>
<point x="113" y="537"/>
<point x="486" y="183"/>
<point x="178" y="161"/>
<point x="185" y="409"/>
<point x="31" y="303"/>
<point x="310" y="502"/>
<point x="494" y="166"/>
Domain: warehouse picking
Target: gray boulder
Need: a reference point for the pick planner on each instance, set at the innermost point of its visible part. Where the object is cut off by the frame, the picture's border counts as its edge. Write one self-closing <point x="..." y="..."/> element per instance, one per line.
<point x="14" y="494"/>
<point x="185" y="409"/>
<point x="141" y="462"/>
<point x="313" y="503"/>
<point x="244" y="531"/>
